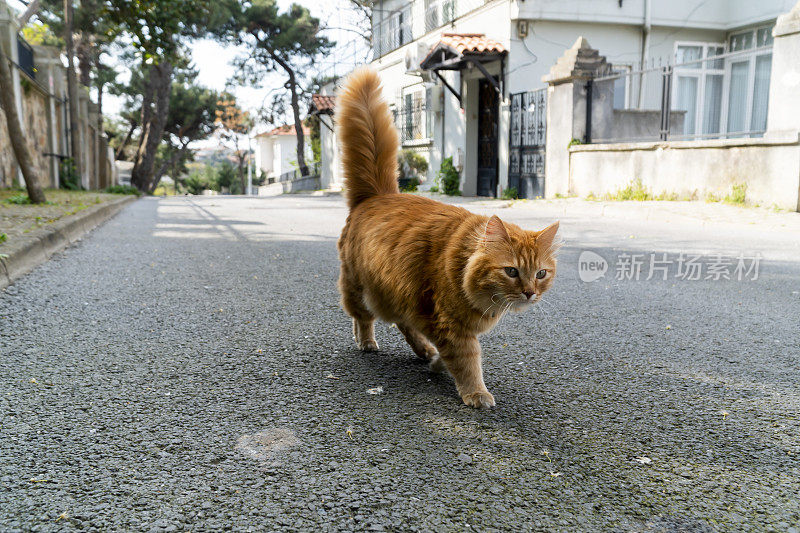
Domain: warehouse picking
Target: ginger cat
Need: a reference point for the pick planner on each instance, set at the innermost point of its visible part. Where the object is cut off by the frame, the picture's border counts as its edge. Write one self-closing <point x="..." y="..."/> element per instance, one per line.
<point x="442" y="274"/>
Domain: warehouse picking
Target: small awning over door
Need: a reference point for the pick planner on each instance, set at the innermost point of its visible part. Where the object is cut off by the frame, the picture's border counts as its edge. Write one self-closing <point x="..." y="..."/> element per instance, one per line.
<point x="457" y="50"/>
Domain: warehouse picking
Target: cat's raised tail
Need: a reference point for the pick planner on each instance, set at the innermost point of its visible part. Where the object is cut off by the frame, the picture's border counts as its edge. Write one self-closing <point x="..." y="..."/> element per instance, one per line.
<point x="368" y="138"/>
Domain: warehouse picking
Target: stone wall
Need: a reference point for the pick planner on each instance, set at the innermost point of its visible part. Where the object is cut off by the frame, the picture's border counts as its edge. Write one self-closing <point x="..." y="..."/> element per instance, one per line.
<point x="35" y="111"/>
<point x="770" y="168"/>
<point x="41" y="105"/>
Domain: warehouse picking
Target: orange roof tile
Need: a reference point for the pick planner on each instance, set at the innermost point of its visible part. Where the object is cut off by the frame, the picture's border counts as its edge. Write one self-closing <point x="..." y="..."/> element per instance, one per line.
<point x="471" y="43"/>
<point x="323" y="102"/>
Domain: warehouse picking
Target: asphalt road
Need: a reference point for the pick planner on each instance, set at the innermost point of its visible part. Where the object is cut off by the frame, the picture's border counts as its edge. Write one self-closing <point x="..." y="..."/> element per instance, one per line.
<point x="187" y="367"/>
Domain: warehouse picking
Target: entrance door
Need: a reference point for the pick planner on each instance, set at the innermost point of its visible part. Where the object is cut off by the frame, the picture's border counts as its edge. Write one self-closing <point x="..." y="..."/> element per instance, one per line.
<point x="487" y="139"/>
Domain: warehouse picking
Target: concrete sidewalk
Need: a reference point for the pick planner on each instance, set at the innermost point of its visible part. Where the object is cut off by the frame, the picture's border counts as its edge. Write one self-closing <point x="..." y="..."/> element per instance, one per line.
<point x="31" y="249"/>
<point x="689" y="213"/>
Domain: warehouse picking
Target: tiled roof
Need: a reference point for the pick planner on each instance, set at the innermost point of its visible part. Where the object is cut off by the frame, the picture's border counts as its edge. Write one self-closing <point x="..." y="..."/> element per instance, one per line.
<point x="286" y="129"/>
<point x="323" y="102"/>
<point x="471" y="43"/>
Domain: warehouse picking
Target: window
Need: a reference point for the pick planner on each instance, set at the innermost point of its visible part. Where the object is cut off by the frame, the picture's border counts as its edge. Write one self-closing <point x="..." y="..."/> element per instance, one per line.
<point x="622" y="86"/>
<point x="393" y="31"/>
<point x="413" y="115"/>
<point x="438" y="13"/>
<point x="748" y="96"/>
<point x="699" y="75"/>
<point x="724" y="94"/>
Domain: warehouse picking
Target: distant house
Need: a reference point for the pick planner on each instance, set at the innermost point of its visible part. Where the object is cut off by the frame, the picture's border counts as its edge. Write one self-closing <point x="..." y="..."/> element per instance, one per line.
<point x="276" y="150"/>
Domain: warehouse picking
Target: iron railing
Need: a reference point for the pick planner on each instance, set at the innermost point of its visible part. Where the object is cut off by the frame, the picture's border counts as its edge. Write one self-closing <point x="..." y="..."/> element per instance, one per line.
<point x="313" y="168"/>
<point x="416" y="18"/>
<point x="413" y="122"/>
<point x="394" y="31"/>
<point x="25" y="57"/>
<point x="709" y="96"/>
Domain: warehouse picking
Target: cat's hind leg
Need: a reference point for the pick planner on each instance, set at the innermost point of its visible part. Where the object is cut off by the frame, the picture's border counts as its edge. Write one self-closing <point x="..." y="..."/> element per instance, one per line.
<point x="418" y="342"/>
<point x="363" y="319"/>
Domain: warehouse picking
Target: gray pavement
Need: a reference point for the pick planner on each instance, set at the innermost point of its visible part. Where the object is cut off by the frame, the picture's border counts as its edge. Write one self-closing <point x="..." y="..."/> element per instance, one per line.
<point x="187" y="367"/>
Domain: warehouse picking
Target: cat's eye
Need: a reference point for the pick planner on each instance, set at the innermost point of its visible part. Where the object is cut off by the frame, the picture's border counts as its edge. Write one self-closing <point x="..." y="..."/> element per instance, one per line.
<point x="542" y="273"/>
<point x="512" y="272"/>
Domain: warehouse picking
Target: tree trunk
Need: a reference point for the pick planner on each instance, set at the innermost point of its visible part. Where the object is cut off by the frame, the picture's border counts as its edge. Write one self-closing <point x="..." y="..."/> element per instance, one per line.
<point x="18" y="141"/>
<point x="125" y="141"/>
<point x="242" y="176"/>
<point x="72" y="91"/>
<point x="298" y="123"/>
<point x="168" y="163"/>
<point x="83" y="51"/>
<point x="153" y="121"/>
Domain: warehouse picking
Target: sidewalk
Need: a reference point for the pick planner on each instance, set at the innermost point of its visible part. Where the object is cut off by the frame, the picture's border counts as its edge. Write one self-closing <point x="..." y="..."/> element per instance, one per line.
<point x="33" y="233"/>
<point x="689" y="213"/>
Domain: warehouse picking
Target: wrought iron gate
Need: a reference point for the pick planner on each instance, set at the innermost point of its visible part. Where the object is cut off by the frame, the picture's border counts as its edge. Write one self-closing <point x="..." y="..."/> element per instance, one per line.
<point x="527" y="143"/>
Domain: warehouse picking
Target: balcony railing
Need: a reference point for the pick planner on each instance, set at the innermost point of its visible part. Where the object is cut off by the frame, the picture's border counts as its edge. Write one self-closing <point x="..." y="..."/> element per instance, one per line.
<point x="25" y="57"/>
<point x="416" y="18"/>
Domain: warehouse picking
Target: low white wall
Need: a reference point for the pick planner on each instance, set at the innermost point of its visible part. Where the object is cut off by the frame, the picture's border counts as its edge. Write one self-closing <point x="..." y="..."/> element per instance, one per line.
<point x="769" y="167"/>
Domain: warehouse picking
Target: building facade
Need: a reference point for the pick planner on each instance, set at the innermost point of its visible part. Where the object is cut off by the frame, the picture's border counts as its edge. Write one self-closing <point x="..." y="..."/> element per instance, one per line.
<point x="465" y="77"/>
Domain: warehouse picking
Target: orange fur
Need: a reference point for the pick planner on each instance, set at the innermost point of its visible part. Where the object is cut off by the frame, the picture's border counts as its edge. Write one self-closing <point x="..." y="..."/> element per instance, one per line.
<point x="368" y="139"/>
<point x="438" y="271"/>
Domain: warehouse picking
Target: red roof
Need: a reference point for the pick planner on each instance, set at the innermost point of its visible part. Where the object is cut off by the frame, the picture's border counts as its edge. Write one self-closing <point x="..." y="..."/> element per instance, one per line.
<point x="471" y="43"/>
<point x="323" y="102"/>
<point x="286" y="129"/>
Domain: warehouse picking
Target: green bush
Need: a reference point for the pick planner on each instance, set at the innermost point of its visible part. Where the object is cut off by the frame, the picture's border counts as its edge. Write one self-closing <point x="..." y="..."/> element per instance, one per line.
<point x="68" y="175"/>
<point x="411" y="164"/>
<point x="509" y="194"/>
<point x="18" y="199"/>
<point x="634" y="191"/>
<point x="226" y="177"/>
<point x="409" y="184"/>
<point x="122" y="189"/>
<point x="448" y="177"/>
<point x="412" y="167"/>
<point x="196" y="182"/>
<point x="737" y="195"/>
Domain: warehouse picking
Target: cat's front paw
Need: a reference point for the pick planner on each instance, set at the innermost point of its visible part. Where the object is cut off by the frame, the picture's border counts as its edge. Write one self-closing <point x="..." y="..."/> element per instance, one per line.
<point x="437" y="365"/>
<point x="368" y="346"/>
<point x="479" y="399"/>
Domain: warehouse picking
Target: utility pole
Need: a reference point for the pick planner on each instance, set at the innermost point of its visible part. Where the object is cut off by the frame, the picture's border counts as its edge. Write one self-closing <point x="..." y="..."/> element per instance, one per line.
<point x="249" y="166"/>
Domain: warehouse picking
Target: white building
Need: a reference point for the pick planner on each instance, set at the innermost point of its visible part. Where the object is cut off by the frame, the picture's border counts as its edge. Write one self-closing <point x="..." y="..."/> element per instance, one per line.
<point x="276" y="151"/>
<point x="323" y="105"/>
<point x="451" y="70"/>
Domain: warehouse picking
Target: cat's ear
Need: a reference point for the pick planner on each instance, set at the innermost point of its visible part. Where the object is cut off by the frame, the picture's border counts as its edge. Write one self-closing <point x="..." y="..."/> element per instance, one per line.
<point x="547" y="237"/>
<point x="495" y="231"/>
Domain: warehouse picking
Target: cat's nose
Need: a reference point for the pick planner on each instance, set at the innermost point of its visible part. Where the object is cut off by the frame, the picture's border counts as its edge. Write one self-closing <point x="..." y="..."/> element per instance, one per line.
<point x="528" y="294"/>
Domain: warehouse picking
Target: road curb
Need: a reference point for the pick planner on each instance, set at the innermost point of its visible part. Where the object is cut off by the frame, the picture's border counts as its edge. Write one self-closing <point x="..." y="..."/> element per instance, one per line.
<point x="43" y="243"/>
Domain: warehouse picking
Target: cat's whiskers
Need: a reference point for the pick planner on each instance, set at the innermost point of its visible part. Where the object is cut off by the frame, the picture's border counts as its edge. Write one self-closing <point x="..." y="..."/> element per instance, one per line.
<point x="493" y="303"/>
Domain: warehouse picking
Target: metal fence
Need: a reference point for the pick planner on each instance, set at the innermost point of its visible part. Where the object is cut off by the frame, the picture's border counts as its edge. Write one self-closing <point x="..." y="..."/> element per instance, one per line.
<point x="706" y="94"/>
<point x="416" y="18"/>
<point x="393" y="31"/>
<point x="25" y="57"/>
<point x="313" y="168"/>
<point x="527" y="143"/>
